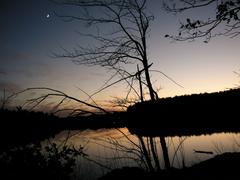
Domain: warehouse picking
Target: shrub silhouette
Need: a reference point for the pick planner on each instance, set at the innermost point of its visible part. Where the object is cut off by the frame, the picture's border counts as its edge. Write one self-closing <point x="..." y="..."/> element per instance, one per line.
<point x="35" y="162"/>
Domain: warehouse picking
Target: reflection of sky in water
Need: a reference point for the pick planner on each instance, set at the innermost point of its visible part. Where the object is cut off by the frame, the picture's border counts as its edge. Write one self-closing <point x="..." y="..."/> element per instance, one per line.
<point x="111" y="148"/>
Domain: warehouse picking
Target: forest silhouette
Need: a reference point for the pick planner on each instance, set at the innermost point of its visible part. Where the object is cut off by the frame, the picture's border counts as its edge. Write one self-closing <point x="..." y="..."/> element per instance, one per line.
<point x="186" y="115"/>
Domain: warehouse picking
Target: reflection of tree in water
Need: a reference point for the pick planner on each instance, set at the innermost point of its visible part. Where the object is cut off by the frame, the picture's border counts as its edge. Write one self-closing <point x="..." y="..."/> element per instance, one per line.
<point x="126" y="149"/>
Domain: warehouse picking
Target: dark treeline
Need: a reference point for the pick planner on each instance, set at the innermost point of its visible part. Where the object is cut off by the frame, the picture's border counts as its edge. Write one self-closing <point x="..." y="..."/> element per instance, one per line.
<point x="187" y="115"/>
<point x="21" y="127"/>
<point x="98" y="121"/>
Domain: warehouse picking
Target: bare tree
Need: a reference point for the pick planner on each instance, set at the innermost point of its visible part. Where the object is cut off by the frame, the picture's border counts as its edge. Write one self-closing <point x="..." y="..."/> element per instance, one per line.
<point x="225" y="16"/>
<point x="123" y="42"/>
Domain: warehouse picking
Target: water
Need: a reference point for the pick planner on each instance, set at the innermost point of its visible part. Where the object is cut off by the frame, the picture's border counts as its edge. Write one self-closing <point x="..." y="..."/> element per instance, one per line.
<point x="108" y="149"/>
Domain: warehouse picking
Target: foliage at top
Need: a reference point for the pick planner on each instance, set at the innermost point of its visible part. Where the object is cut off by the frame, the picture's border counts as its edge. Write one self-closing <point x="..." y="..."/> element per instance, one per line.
<point x="225" y="17"/>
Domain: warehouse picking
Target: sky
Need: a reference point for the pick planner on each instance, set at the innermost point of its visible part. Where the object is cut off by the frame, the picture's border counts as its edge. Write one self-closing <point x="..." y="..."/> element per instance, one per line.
<point x="30" y="33"/>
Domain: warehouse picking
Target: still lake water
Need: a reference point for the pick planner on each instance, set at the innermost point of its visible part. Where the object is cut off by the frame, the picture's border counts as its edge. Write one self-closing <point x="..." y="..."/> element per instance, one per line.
<point x="115" y="148"/>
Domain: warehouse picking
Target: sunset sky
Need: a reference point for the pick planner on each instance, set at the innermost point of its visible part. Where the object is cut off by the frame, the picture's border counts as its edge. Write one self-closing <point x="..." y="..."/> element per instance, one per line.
<point x="30" y="33"/>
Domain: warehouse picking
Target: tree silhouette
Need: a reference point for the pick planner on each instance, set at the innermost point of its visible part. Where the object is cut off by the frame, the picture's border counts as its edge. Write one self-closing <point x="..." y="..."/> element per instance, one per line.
<point x="225" y="16"/>
<point x="123" y="42"/>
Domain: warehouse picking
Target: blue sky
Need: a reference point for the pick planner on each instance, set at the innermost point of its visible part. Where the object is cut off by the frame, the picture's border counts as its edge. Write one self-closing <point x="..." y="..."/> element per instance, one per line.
<point x="28" y="37"/>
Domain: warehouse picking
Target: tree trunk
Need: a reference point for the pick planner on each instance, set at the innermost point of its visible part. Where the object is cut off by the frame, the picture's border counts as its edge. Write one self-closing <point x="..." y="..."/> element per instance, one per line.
<point x="149" y="84"/>
<point x="140" y="84"/>
<point x="153" y="98"/>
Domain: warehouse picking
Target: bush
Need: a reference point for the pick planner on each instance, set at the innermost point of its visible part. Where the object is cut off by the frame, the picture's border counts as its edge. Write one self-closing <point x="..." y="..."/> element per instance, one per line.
<point x="35" y="162"/>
